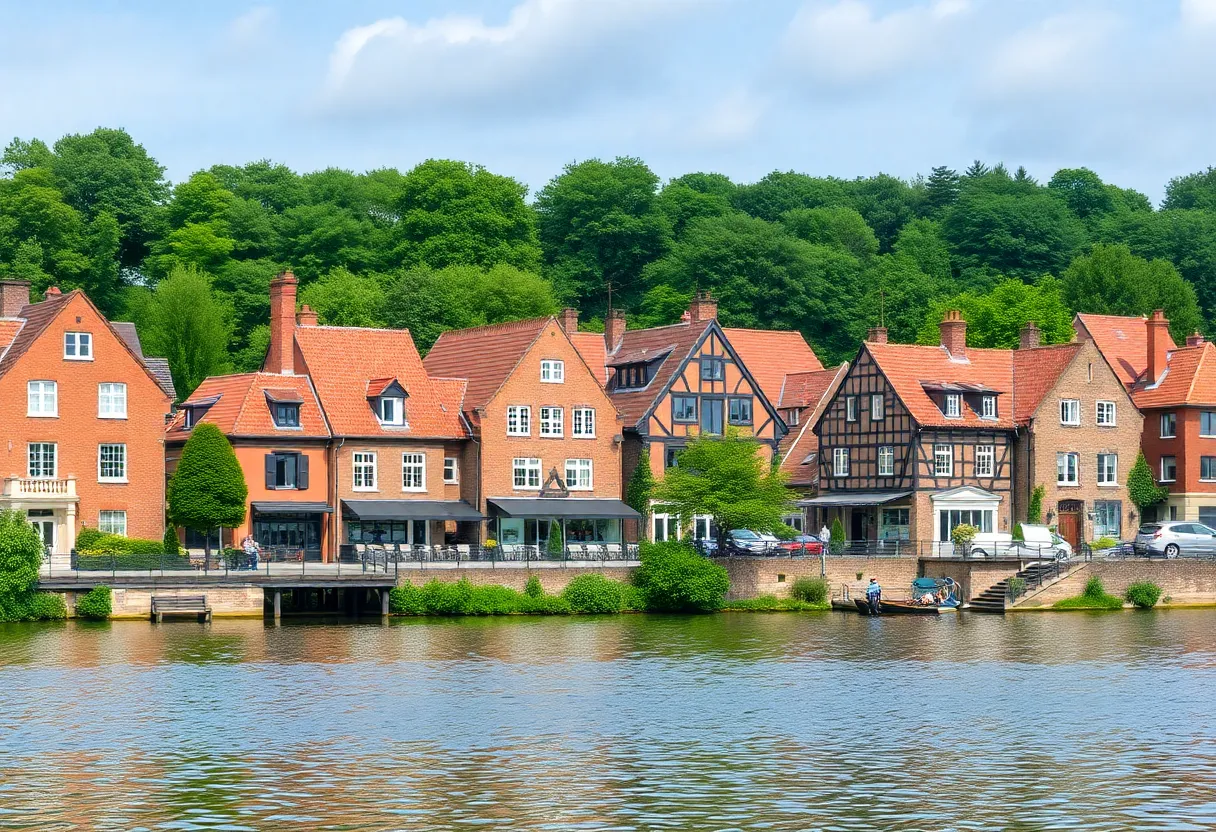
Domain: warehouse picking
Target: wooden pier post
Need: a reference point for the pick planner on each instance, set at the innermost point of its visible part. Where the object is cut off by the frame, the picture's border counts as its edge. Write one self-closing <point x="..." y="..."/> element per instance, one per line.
<point x="278" y="604"/>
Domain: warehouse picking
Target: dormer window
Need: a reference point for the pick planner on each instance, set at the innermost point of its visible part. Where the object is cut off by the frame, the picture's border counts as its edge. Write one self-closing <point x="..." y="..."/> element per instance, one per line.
<point x="387" y="398"/>
<point x="988" y="407"/>
<point x="191" y="418"/>
<point x="78" y="346"/>
<point x="196" y="410"/>
<point x="390" y="410"/>
<point x="284" y="407"/>
<point x="552" y="371"/>
<point x="953" y="406"/>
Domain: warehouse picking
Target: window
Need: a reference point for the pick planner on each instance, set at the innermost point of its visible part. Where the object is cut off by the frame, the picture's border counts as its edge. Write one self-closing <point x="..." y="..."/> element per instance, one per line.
<point x="1207" y="468"/>
<point x="1207" y="516"/>
<point x="582" y="422"/>
<point x="711" y="416"/>
<point x="840" y="462"/>
<point x="894" y="524"/>
<point x="1207" y="423"/>
<point x="666" y="527"/>
<point x="286" y="415"/>
<point x="284" y="471"/>
<point x="988" y="407"/>
<point x="631" y="375"/>
<point x="791" y="417"/>
<point x="552" y="371"/>
<point x="451" y="472"/>
<point x="526" y="472"/>
<point x="943" y="460"/>
<point x="551" y="421"/>
<point x="1070" y="412"/>
<point x="112" y="522"/>
<point x="1107" y="518"/>
<point x="519" y="420"/>
<point x="578" y="474"/>
<point x="1066" y="468"/>
<point x="740" y="411"/>
<point x="947" y="521"/>
<point x="191" y="418"/>
<point x="1169" y="425"/>
<point x="794" y="521"/>
<point x="413" y="472"/>
<point x="671" y="457"/>
<point x="42" y="398"/>
<point x="390" y="410"/>
<point x="42" y="460"/>
<point x="684" y="408"/>
<point x="876" y="407"/>
<point x="985" y="460"/>
<point x="78" y="346"/>
<point x="953" y="406"/>
<point x="111" y="400"/>
<point x="850" y="408"/>
<point x="713" y="369"/>
<point x="1105" y="412"/>
<point x="365" y="471"/>
<point x="111" y="463"/>
<point x="886" y="461"/>
<point x="1169" y="468"/>
<point x="1108" y="469"/>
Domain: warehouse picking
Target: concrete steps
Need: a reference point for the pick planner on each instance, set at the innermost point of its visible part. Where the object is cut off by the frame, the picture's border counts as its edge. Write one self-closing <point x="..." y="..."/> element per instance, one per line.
<point x="996" y="597"/>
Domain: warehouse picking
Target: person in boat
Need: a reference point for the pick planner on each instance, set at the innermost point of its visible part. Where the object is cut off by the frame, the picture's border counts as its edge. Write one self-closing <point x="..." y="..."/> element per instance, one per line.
<point x="874" y="596"/>
<point x="927" y="599"/>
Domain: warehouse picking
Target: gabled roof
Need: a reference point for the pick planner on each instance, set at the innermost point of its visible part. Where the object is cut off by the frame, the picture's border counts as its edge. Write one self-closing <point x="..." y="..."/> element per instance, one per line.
<point x="590" y="346"/>
<point x="1035" y="373"/>
<point x="1189" y="379"/>
<point x="38" y="317"/>
<point x="677" y="340"/>
<point x="771" y="355"/>
<point x="800" y="447"/>
<point x="345" y="363"/>
<point x="241" y="407"/>
<point x="806" y="389"/>
<point x="485" y="356"/>
<point x="1122" y="340"/>
<point x="908" y="366"/>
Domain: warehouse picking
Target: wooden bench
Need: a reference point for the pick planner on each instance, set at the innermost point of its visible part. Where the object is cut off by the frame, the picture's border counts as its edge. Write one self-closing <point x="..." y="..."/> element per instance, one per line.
<point x="196" y="605"/>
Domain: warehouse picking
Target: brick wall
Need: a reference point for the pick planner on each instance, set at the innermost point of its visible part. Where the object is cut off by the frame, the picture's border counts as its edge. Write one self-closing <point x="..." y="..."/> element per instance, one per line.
<point x="751" y="577"/>
<point x="973" y="576"/>
<point x="136" y="602"/>
<point x="1186" y="582"/>
<point x="554" y="580"/>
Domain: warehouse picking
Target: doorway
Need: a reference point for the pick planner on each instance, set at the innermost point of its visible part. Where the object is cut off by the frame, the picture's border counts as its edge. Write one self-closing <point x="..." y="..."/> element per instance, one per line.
<point x="43" y="521"/>
<point x="1069" y="522"/>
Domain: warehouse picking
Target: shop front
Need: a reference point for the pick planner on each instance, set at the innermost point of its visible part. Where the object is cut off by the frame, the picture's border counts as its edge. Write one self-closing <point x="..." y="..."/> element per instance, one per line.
<point x="880" y="516"/>
<point x="569" y="526"/>
<point x="410" y="523"/>
<point x="291" y="529"/>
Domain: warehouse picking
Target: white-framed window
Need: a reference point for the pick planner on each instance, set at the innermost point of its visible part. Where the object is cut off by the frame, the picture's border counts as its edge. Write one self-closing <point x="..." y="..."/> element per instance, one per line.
<point x="112" y="463"/>
<point x="578" y="474"/>
<point x="1169" y="469"/>
<point x="840" y="462"/>
<point x="42" y="399"/>
<point x="1207" y="423"/>
<point x="1169" y="425"/>
<point x="582" y="422"/>
<point x="850" y="408"/>
<point x="111" y="400"/>
<point x="1108" y="469"/>
<point x="664" y="527"/>
<point x="43" y="460"/>
<point x="985" y="460"/>
<point x="451" y="470"/>
<point x="943" y="460"/>
<point x="413" y="472"/>
<point x="791" y="417"/>
<point x="390" y="410"/>
<point x="526" y="472"/>
<point x="519" y="420"/>
<point x="876" y="407"/>
<point x="1104" y="413"/>
<point x="364" y="463"/>
<point x="954" y="406"/>
<point x="794" y="521"/>
<point x="551" y="421"/>
<point x="1070" y="412"/>
<point x="112" y="522"/>
<point x="1066" y="468"/>
<point x="988" y="407"/>
<point x="886" y="461"/>
<point x="552" y="371"/>
<point x="78" y="346"/>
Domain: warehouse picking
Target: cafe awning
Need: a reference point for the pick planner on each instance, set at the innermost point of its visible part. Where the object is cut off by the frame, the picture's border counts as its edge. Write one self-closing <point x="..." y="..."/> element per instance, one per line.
<point x="583" y="508"/>
<point x="410" y="510"/>
<point x="292" y="508"/>
<point x="858" y="498"/>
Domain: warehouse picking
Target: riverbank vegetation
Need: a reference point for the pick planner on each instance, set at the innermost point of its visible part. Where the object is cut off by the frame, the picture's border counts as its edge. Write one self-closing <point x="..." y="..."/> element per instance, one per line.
<point x="20" y="559"/>
<point x="1143" y="594"/>
<point x="96" y="604"/>
<point x="1093" y="597"/>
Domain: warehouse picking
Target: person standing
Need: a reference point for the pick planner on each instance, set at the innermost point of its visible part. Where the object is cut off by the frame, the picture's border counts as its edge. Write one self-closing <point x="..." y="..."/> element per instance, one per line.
<point x="874" y="597"/>
<point x="250" y="547"/>
<point x="825" y="535"/>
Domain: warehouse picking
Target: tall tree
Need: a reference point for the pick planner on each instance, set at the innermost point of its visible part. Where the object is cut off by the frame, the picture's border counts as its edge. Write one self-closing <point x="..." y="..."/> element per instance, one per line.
<point x="941" y="190"/>
<point x="781" y="192"/>
<point x="1082" y="191"/>
<point x="207" y="490"/>
<point x="886" y="203"/>
<point x="342" y="298"/>
<point x="839" y="228"/>
<point x="995" y="319"/>
<point x="1195" y="190"/>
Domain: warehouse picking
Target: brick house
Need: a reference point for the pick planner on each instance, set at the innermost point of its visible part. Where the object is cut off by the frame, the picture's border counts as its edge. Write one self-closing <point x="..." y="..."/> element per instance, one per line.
<point x="83" y="412"/>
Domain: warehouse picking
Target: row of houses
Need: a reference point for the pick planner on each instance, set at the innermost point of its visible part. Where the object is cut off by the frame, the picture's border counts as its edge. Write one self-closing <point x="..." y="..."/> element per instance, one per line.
<point x="348" y="435"/>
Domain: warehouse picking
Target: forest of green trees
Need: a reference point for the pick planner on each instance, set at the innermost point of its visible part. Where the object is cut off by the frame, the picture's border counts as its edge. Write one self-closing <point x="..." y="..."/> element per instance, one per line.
<point x="450" y="244"/>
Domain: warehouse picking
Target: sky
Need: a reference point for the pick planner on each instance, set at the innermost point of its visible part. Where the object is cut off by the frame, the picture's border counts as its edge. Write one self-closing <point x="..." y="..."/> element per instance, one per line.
<point x="523" y="87"/>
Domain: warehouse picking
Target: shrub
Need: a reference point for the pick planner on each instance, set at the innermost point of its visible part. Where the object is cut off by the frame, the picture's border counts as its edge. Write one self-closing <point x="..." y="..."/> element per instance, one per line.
<point x="1018" y="534"/>
<point x="1104" y="543"/>
<point x="836" y="544"/>
<point x="406" y="600"/>
<point x="87" y="537"/>
<point x="592" y="593"/>
<point x="95" y="604"/>
<point x="112" y="544"/>
<point x="20" y="559"/>
<point x="1017" y="586"/>
<point x="810" y="590"/>
<point x="963" y="534"/>
<point x="46" y="606"/>
<point x="556" y="547"/>
<point x="171" y="544"/>
<point x="1034" y="510"/>
<point x="544" y="605"/>
<point x="533" y="589"/>
<point x="673" y="577"/>
<point x="1093" y="597"/>
<point x="1094" y="588"/>
<point x="1143" y="594"/>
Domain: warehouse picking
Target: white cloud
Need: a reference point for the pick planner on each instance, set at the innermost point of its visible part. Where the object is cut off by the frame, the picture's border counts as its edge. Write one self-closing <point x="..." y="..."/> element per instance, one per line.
<point x="251" y="27"/>
<point x="1200" y="13"/>
<point x="1063" y="51"/>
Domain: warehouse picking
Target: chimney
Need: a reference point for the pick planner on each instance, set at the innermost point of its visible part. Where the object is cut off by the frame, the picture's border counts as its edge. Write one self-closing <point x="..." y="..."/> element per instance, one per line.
<point x="280" y="358"/>
<point x="703" y="308"/>
<point x="1195" y="340"/>
<point x="953" y="331"/>
<point x="877" y="335"/>
<point x="614" y="329"/>
<point x="1030" y="336"/>
<point x="14" y="294"/>
<point x="51" y="291"/>
<point x="306" y="316"/>
<point x="1158" y="344"/>
<point x="569" y="320"/>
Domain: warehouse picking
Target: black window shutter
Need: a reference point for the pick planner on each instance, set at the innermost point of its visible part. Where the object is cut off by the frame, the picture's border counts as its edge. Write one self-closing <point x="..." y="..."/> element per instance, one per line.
<point x="270" y="470"/>
<point x="302" y="472"/>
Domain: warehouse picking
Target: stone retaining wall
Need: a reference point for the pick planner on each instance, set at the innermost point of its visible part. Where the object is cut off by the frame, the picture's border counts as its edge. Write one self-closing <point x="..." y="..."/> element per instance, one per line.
<point x="1183" y="581"/>
<point x="974" y="576"/>
<point x="136" y="602"/>
<point x="750" y="577"/>
<point x="553" y="579"/>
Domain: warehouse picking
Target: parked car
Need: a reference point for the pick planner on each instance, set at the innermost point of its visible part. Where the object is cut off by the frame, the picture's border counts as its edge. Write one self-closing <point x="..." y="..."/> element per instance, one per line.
<point x="807" y="544"/>
<point x="1174" y="538"/>
<point x="1037" y="542"/>
<point x="747" y="541"/>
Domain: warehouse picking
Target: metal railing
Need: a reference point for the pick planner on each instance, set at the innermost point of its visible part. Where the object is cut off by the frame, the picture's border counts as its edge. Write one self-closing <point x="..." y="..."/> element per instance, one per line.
<point x="384" y="556"/>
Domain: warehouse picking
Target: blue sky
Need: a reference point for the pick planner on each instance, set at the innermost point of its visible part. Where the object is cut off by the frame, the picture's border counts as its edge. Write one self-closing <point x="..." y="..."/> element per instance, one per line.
<point x="743" y="87"/>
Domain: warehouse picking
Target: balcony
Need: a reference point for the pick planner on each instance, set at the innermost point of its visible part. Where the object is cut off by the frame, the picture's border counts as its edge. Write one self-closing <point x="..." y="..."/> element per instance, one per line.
<point x="49" y="490"/>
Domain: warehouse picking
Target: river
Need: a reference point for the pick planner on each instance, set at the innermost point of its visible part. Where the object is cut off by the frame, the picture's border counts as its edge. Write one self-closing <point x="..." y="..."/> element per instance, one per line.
<point x="734" y="721"/>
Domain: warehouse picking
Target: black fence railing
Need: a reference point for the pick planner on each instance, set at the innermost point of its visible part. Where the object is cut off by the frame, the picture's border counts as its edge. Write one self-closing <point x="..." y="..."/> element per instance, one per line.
<point x="384" y="556"/>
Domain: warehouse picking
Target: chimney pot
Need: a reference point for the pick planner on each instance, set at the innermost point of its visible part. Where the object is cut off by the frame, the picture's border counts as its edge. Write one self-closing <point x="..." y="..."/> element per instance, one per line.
<point x="1158" y="329"/>
<point x="614" y="329"/>
<point x="14" y="295"/>
<point x="51" y="291"/>
<point x="569" y="320"/>
<point x="1030" y="336"/>
<point x="704" y="307"/>
<point x="280" y="358"/>
<point x="306" y="316"/>
<point x="877" y="335"/>
<point x="1194" y="340"/>
<point x="953" y="330"/>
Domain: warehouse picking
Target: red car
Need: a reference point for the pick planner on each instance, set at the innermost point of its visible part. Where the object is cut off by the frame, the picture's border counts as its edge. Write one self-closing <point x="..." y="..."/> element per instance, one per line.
<point x="803" y="544"/>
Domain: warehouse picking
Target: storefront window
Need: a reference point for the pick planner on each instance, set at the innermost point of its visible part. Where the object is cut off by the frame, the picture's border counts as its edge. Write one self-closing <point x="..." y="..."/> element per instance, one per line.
<point x="387" y="532"/>
<point x="894" y="524"/>
<point x="947" y="520"/>
<point x="1107" y="517"/>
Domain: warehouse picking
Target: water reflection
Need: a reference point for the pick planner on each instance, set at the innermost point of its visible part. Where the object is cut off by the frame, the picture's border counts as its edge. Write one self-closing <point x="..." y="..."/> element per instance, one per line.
<point x="639" y="722"/>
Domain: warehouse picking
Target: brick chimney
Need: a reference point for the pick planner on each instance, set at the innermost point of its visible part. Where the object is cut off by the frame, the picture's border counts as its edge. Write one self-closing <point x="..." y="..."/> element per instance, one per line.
<point x="306" y="316"/>
<point x="1194" y="340"/>
<point x="703" y="308"/>
<point x="1158" y="344"/>
<point x="569" y="319"/>
<point x="14" y="294"/>
<point x="280" y="358"/>
<point x="953" y="331"/>
<point x="1029" y="337"/>
<point x="614" y="328"/>
<point x="51" y="291"/>
<point x="877" y="335"/>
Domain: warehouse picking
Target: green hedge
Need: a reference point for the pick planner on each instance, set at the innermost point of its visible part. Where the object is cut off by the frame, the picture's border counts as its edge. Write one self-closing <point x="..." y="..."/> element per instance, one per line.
<point x="810" y="590"/>
<point x="1143" y="594"/>
<point x="95" y="604"/>
<point x="592" y="593"/>
<point x="771" y="603"/>
<point x="674" y="577"/>
<point x="92" y="542"/>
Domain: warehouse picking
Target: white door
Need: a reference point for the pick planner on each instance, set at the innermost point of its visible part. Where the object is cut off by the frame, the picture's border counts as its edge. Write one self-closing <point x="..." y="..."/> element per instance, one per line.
<point x="45" y="527"/>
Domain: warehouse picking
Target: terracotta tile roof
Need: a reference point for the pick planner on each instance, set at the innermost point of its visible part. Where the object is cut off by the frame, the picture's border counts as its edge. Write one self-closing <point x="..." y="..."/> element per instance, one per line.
<point x="9" y="327"/>
<point x="807" y="388"/>
<point x="1189" y="379"/>
<point x="590" y="346"/>
<point x="909" y="366"/>
<point x="771" y="355"/>
<point x="483" y="355"/>
<point x="1035" y="372"/>
<point x="241" y="408"/>
<point x="38" y="317"/>
<point x="676" y="339"/>
<point x="1123" y="340"/>
<point x="816" y="389"/>
<point x="343" y="360"/>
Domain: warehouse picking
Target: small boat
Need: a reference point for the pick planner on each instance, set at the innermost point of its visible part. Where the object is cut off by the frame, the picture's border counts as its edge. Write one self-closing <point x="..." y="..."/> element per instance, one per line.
<point x="930" y="596"/>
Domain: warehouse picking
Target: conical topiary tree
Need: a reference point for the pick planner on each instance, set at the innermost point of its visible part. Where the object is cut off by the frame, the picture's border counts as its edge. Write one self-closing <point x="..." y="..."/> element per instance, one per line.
<point x="1142" y="488"/>
<point x="172" y="546"/>
<point x="836" y="544"/>
<point x="208" y="489"/>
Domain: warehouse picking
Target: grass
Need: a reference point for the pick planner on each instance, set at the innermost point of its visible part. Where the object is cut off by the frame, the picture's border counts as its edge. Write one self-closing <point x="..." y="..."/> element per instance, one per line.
<point x="771" y="603"/>
<point x="1093" y="597"/>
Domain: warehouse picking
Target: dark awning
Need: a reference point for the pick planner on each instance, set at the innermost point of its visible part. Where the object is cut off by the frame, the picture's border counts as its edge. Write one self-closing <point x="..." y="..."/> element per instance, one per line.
<point x="411" y="510"/>
<point x="563" y="507"/>
<point x="292" y="508"/>
<point x="860" y="498"/>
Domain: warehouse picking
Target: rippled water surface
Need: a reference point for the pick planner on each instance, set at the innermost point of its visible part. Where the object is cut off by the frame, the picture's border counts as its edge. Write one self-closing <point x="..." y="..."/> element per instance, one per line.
<point x="734" y="721"/>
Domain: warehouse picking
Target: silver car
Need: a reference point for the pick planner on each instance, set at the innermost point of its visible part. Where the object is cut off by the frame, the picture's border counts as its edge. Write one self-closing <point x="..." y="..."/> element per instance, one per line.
<point x="1174" y="538"/>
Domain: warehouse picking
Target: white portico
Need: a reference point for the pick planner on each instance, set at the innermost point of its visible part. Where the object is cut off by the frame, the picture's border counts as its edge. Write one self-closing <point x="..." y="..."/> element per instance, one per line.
<point x="49" y="504"/>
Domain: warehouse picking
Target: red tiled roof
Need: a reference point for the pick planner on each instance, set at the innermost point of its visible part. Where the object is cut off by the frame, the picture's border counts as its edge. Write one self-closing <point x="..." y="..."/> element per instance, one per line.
<point x="1123" y="340"/>
<point x="1190" y="378"/>
<point x="37" y="317"/>
<point x="908" y="366"/>
<point x="771" y="355"/>
<point x="346" y="363"/>
<point x="590" y="346"/>
<point x="816" y="389"/>
<point x="484" y="355"/>
<point x="676" y="339"/>
<point x="1035" y="372"/>
<point x="807" y="388"/>
<point x="242" y="408"/>
<point x="9" y="327"/>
